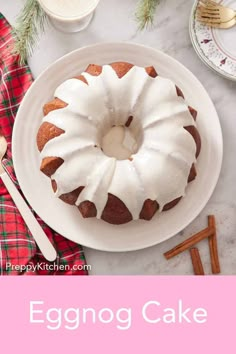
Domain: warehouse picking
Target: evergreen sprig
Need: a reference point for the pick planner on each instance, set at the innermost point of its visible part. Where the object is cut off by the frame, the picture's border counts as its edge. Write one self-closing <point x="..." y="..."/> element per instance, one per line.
<point x="145" y="12"/>
<point x="29" y="24"/>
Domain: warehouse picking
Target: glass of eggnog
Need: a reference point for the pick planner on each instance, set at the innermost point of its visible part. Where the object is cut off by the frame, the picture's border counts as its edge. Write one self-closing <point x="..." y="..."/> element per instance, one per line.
<point x="69" y="15"/>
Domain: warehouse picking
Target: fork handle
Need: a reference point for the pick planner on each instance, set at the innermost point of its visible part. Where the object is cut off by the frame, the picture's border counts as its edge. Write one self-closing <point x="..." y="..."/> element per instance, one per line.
<point x="38" y="234"/>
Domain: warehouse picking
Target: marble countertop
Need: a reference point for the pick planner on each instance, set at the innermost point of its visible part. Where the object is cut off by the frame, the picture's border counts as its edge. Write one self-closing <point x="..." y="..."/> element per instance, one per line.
<point x="114" y="21"/>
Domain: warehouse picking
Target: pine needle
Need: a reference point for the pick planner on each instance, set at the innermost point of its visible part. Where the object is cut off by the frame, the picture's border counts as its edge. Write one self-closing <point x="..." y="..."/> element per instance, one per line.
<point x="31" y="21"/>
<point x="29" y="24"/>
<point x="145" y="12"/>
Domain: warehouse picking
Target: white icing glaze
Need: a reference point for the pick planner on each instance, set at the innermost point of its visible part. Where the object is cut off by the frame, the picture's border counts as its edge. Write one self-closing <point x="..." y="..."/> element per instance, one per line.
<point x="158" y="171"/>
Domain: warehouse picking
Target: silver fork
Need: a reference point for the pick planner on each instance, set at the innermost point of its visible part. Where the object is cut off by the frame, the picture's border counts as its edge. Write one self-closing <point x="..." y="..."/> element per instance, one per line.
<point x="37" y="232"/>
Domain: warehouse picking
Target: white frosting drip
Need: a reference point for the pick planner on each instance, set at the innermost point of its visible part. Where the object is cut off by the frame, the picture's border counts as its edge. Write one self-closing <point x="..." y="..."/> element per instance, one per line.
<point x="98" y="181"/>
<point x="158" y="171"/>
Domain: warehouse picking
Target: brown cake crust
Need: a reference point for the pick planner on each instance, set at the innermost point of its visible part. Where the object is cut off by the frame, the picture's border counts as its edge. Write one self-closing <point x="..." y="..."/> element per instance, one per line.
<point x="46" y="132"/>
<point x="69" y="198"/>
<point x="115" y="211"/>
<point x="172" y="204"/>
<point x="193" y="112"/>
<point x="56" y="103"/>
<point x="192" y="173"/>
<point x="149" y="208"/>
<point x="179" y="92"/>
<point x="49" y="165"/>
<point x="196" y="136"/>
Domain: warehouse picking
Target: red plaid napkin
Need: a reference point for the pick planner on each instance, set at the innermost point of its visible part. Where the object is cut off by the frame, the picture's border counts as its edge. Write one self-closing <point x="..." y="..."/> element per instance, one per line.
<point x="18" y="251"/>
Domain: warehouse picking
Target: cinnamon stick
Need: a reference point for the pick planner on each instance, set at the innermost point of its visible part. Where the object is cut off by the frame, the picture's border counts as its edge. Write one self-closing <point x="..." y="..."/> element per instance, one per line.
<point x="196" y="261"/>
<point x="212" y="241"/>
<point x="209" y="231"/>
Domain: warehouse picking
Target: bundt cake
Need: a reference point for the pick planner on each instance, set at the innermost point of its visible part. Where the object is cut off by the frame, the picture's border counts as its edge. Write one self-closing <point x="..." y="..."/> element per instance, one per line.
<point x="119" y="142"/>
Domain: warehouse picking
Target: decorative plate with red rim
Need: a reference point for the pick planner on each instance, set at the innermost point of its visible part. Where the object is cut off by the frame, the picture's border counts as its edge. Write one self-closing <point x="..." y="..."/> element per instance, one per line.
<point x="216" y="47"/>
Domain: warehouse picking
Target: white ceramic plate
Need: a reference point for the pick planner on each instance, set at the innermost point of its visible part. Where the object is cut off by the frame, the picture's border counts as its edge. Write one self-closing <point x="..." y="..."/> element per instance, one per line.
<point x="66" y="219"/>
<point x="216" y="47"/>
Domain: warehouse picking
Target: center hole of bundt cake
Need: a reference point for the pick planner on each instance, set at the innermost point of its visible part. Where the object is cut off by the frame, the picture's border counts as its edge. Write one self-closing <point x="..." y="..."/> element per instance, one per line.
<point x="119" y="142"/>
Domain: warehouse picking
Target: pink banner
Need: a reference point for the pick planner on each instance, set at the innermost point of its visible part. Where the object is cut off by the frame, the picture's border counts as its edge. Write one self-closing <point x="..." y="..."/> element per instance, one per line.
<point x="118" y="314"/>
